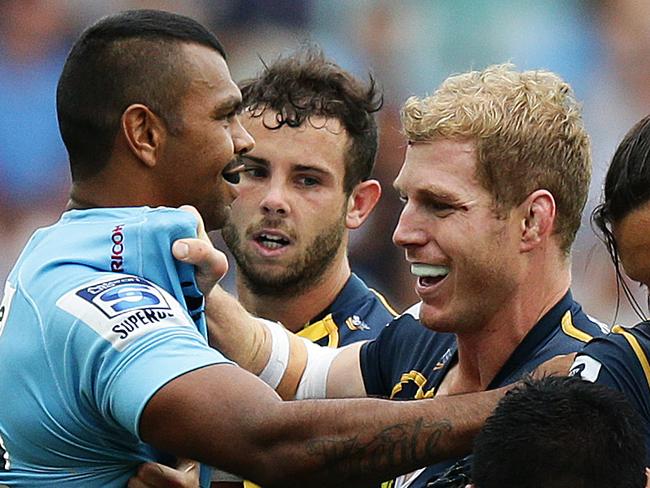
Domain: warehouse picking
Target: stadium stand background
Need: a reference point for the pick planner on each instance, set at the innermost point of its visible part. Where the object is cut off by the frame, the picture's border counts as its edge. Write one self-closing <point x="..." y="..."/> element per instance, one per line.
<point x="600" y="47"/>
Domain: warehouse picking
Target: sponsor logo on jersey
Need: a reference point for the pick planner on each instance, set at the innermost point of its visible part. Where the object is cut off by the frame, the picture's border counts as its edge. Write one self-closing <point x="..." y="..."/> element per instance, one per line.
<point x="123" y="295"/>
<point x="117" y="238"/>
<point x="355" y="322"/>
<point x="124" y="308"/>
<point x="141" y="318"/>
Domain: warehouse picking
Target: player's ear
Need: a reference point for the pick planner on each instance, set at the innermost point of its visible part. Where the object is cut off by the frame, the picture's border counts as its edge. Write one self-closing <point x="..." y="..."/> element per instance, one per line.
<point x="361" y="201"/>
<point x="144" y="132"/>
<point x="537" y="214"/>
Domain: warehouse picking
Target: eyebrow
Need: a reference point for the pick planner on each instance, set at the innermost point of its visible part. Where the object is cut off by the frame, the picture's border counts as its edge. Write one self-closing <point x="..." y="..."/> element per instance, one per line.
<point x="438" y="194"/>
<point x="316" y="169"/>
<point x="431" y="193"/>
<point x="297" y="167"/>
<point x="230" y="104"/>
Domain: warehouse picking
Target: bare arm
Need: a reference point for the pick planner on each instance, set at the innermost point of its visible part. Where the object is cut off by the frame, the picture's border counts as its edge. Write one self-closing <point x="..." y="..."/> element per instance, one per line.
<point x="241" y="337"/>
<point x="235" y="332"/>
<point x="227" y="418"/>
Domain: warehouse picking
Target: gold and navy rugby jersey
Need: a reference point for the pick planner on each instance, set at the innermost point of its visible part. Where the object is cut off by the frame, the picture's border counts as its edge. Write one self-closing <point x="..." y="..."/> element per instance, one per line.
<point x="358" y="313"/>
<point x="621" y="360"/>
<point x="409" y="361"/>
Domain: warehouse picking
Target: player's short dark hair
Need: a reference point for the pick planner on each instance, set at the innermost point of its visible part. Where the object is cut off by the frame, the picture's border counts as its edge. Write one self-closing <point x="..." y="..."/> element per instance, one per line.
<point x="130" y="57"/>
<point x="561" y="432"/>
<point x="627" y="187"/>
<point x="306" y="84"/>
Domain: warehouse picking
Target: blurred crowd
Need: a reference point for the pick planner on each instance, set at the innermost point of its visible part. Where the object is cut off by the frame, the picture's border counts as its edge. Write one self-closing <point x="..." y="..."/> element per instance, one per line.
<point x="600" y="46"/>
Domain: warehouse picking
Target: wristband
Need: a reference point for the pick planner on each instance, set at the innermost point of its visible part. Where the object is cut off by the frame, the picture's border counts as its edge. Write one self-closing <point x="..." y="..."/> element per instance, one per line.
<point x="274" y="370"/>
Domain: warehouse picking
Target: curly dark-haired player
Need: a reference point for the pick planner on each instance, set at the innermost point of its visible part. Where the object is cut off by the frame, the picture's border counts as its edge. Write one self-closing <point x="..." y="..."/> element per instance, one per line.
<point x="307" y="184"/>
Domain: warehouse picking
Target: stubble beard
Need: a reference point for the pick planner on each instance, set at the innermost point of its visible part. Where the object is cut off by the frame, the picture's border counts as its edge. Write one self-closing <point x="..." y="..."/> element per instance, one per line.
<point x="303" y="273"/>
<point x="486" y="288"/>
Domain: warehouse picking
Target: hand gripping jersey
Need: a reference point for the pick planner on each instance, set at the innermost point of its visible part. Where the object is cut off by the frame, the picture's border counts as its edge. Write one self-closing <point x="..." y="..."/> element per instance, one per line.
<point x="409" y="361"/>
<point x="96" y="317"/>
<point x="621" y="360"/>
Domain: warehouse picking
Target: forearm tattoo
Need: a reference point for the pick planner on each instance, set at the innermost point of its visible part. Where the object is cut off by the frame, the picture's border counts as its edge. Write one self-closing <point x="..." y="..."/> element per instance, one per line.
<point x="400" y="446"/>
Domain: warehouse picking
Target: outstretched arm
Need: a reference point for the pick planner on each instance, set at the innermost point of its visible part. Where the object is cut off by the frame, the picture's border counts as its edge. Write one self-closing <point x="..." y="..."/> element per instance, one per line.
<point x="227" y="418"/>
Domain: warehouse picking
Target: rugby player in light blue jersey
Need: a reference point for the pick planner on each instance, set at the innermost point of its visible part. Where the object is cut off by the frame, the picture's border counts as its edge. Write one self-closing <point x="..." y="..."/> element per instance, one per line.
<point x="104" y="364"/>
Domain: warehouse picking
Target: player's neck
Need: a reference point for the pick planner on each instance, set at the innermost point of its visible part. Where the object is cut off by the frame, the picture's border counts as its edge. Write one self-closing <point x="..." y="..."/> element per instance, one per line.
<point x="295" y="311"/>
<point x="86" y="195"/>
<point x="482" y="353"/>
<point x="124" y="181"/>
<point x="98" y="192"/>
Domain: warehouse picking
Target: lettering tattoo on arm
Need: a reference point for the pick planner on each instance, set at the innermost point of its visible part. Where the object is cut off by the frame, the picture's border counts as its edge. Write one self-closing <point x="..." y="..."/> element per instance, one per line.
<point x="394" y="447"/>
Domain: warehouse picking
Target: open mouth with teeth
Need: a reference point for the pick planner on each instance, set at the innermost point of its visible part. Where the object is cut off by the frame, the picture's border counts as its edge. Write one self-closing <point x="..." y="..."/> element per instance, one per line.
<point x="428" y="274"/>
<point x="271" y="241"/>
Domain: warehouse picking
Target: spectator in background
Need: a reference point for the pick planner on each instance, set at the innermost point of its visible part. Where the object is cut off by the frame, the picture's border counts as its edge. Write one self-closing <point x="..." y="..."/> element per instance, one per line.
<point x="33" y="164"/>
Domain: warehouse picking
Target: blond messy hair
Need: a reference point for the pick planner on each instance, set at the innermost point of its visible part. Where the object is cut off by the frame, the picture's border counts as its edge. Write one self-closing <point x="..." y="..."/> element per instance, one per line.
<point x="528" y="132"/>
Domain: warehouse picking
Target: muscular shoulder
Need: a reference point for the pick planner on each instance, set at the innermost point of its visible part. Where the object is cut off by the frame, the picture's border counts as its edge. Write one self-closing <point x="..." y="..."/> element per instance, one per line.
<point x="123" y="240"/>
<point x="620" y="360"/>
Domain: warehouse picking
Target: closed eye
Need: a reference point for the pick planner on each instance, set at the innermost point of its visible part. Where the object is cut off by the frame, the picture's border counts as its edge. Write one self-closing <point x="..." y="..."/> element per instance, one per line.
<point x="228" y="114"/>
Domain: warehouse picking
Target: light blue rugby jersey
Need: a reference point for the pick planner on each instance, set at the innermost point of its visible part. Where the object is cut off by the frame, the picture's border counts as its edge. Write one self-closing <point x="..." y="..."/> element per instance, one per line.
<point x="84" y="344"/>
